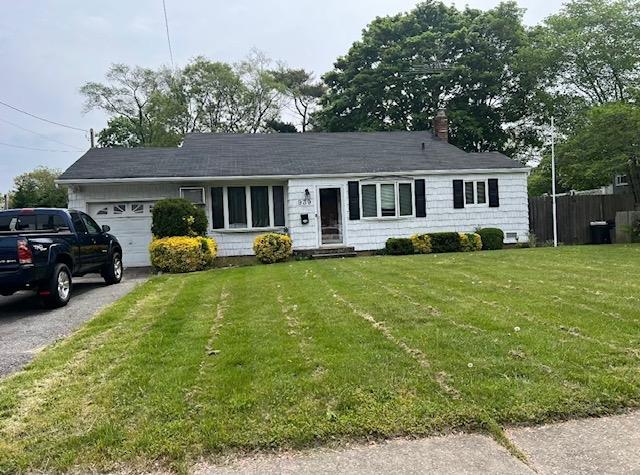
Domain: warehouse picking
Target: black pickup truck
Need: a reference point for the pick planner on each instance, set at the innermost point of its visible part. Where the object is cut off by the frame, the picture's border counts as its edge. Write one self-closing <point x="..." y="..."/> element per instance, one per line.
<point x="42" y="249"/>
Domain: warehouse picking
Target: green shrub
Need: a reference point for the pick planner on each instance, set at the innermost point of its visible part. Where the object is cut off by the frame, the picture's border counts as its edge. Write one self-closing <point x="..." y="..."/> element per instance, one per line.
<point x="470" y="242"/>
<point x="445" y="242"/>
<point x="180" y="254"/>
<point x="178" y="217"/>
<point x="492" y="238"/>
<point x="272" y="247"/>
<point x="421" y="243"/>
<point x="399" y="246"/>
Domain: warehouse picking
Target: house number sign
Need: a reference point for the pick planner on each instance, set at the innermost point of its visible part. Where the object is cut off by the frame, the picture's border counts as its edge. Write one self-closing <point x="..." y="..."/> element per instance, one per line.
<point x="304" y="202"/>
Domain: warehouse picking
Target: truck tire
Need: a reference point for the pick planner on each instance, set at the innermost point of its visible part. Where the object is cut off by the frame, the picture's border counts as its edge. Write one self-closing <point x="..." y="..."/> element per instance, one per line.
<point x="58" y="290"/>
<point x="112" y="273"/>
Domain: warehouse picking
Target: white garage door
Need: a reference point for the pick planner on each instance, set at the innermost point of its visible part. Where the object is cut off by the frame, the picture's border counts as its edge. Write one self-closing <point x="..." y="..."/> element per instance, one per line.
<point x="130" y="222"/>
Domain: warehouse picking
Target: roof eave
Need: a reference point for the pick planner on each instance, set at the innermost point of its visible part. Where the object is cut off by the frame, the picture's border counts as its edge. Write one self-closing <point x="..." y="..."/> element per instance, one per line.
<point x="462" y="171"/>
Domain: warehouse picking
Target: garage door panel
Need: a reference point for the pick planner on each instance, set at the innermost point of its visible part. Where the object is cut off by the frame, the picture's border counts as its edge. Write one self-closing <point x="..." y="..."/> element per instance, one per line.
<point x="131" y="227"/>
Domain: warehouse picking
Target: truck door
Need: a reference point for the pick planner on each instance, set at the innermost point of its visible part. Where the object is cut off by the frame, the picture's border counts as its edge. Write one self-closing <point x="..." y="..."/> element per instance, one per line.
<point x="99" y="248"/>
<point x="84" y="243"/>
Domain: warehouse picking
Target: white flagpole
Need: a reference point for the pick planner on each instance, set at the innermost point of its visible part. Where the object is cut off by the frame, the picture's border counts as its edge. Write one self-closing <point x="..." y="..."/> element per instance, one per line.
<point x="553" y="182"/>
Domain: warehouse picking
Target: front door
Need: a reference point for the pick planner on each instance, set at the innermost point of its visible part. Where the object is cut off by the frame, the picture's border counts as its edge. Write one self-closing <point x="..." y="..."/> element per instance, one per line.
<point x="330" y="216"/>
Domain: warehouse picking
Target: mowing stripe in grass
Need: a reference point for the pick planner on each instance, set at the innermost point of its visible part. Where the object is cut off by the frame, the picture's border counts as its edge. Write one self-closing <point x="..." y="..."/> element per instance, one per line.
<point x="486" y="281"/>
<point x="536" y="373"/>
<point x="590" y="319"/>
<point x="606" y="360"/>
<point x="441" y="377"/>
<point x="525" y="316"/>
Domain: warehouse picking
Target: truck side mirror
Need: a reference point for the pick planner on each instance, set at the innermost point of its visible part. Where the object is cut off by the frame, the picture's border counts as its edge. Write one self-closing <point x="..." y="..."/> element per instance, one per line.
<point x="105" y="228"/>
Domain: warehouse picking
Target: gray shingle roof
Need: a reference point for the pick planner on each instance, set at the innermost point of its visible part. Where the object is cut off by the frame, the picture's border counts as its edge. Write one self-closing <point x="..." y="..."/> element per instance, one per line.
<point x="228" y="155"/>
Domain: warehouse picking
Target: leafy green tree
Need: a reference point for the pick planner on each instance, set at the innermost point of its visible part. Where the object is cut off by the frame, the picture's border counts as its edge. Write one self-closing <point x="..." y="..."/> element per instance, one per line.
<point x="158" y="107"/>
<point x="37" y="189"/>
<point x="131" y="97"/>
<point x="214" y="95"/>
<point x="592" y="49"/>
<point x="299" y="87"/>
<point x="605" y="144"/>
<point x="408" y="66"/>
<point x="281" y="127"/>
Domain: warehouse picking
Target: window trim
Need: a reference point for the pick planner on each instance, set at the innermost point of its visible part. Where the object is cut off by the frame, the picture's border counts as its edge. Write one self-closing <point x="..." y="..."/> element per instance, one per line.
<point x="475" y="203"/>
<point x="396" y="184"/>
<point x="249" y="210"/>
<point x="191" y="188"/>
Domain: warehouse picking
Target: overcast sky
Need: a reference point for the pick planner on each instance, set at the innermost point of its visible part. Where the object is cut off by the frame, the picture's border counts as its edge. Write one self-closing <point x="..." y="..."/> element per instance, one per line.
<point x="49" y="49"/>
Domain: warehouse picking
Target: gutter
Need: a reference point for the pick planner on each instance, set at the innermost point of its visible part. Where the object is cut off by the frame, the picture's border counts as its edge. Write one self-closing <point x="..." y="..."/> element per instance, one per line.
<point x="183" y="179"/>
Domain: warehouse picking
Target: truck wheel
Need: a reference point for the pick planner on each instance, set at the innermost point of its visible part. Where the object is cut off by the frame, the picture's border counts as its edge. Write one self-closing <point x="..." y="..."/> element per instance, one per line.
<point x="58" y="291"/>
<point x="112" y="273"/>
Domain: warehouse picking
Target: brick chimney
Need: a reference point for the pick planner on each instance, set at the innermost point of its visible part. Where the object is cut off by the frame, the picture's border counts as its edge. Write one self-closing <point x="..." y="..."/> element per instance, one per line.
<point x="441" y="125"/>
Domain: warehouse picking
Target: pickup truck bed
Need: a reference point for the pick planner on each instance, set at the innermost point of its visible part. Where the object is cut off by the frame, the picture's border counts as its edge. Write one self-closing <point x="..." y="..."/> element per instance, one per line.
<point x="43" y="249"/>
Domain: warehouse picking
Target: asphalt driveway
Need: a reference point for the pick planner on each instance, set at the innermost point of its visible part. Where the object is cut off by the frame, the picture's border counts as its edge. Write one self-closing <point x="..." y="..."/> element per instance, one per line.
<point x="26" y="326"/>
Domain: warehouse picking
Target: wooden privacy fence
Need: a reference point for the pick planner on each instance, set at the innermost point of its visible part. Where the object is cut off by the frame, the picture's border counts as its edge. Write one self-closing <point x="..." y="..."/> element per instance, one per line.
<point x="574" y="215"/>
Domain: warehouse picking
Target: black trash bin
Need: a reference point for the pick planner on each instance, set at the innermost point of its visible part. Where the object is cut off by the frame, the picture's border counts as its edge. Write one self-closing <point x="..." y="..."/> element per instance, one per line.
<point x="600" y="232"/>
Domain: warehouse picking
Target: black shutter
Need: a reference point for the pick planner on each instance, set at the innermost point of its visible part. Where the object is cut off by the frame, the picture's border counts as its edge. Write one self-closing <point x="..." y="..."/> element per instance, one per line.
<point x="278" y="206"/>
<point x="421" y="204"/>
<point x="354" y="200"/>
<point x="217" y="208"/>
<point x="494" y="195"/>
<point x="458" y="194"/>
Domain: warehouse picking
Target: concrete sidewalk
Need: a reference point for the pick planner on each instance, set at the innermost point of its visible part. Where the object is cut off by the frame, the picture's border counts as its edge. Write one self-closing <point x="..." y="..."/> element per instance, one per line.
<point x="608" y="445"/>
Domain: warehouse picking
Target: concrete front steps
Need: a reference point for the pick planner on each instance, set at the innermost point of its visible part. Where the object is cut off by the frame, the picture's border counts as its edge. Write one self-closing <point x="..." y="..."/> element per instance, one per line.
<point x="329" y="252"/>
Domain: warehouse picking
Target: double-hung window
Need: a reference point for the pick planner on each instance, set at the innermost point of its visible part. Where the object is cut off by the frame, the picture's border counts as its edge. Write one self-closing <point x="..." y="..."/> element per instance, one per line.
<point x="387" y="199"/>
<point x="247" y="207"/>
<point x="475" y="193"/>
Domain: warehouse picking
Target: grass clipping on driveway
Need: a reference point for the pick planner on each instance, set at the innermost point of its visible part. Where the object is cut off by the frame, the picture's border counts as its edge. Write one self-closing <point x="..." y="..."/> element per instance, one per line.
<point x="297" y="354"/>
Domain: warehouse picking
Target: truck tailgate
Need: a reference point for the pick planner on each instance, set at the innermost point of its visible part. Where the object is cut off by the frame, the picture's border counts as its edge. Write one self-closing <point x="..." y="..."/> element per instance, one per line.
<point x="8" y="254"/>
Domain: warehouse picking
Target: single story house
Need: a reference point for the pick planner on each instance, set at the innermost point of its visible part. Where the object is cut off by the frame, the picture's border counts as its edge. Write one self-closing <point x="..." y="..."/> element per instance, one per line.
<point x="351" y="190"/>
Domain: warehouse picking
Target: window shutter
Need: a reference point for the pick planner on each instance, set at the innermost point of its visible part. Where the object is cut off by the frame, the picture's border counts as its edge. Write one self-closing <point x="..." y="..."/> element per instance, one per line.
<point x="354" y="200"/>
<point x="494" y="195"/>
<point x="421" y="202"/>
<point x="217" y="208"/>
<point x="458" y="194"/>
<point x="278" y="206"/>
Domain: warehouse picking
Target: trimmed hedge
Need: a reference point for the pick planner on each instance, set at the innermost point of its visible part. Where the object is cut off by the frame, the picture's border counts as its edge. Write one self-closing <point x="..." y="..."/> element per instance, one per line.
<point x="492" y="238"/>
<point x="470" y="242"/>
<point x="399" y="246"/>
<point x="272" y="247"/>
<point x="445" y="242"/>
<point x="179" y="254"/>
<point x="421" y="243"/>
<point x="178" y="217"/>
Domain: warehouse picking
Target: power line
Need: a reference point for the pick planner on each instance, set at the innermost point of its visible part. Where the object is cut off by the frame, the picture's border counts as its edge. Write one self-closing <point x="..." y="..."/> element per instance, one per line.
<point x="41" y="118"/>
<point x="166" y="24"/>
<point x="39" y="134"/>
<point x="38" y="149"/>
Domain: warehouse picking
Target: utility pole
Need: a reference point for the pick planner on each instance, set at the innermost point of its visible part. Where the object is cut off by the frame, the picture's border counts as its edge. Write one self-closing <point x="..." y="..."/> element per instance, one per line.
<point x="553" y="182"/>
<point x="92" y="137"/>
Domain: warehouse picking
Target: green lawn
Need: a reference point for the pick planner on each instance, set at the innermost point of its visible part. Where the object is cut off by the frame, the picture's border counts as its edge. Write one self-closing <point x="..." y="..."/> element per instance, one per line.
<point x="309" y="352"/>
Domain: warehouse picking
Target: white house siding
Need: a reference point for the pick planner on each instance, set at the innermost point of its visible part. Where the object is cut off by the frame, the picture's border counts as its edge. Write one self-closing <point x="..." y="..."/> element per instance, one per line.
<point x="135" y="233"/>
<point x="512" y="216"/>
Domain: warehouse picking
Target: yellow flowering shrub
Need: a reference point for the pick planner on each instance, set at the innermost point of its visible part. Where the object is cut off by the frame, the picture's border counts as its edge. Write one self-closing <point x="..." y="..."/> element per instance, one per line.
<point x="421" y="243"/>
<point x="182" y="253"/>
<point x="470" y="242"/>
<point x="272" y="247"/>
